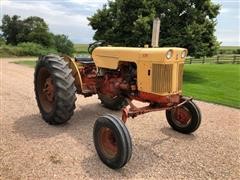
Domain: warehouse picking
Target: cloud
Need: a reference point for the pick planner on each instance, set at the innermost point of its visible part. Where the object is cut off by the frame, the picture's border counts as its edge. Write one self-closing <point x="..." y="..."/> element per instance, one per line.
<point x="92" y="3"/>
<point x="63" y="17"/>
<point x="225" y="10"/>
<point x="229" y="37"/>
<point x="228" y="31"/>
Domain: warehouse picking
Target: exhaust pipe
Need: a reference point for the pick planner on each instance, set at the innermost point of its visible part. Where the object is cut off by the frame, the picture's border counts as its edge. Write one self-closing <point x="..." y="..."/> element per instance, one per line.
<point x="156" y="32"/>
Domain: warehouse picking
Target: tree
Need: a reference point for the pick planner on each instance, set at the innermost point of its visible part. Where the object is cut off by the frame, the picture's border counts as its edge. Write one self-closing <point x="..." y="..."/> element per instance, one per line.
<point x="184" y="23"/>
<point x="32" y="29"/>
<point x="63" y="44"/>
<point x="11" y="26"/>
<point x="37" y="31"/>
<point x="2" y="41"/>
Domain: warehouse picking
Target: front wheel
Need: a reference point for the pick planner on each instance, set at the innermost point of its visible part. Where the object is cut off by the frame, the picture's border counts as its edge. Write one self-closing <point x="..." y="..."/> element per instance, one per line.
<point x="112" y="141"/>
<point x="185" y="119"/>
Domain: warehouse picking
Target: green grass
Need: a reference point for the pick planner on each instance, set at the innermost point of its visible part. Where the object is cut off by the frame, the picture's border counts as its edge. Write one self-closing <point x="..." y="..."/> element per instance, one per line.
<point x="29" y="63"/>
<point x="81" y="48"/>
<point x="213" y="83"/>
<point x="230" y="47"/>
<point x="216" y="83"/>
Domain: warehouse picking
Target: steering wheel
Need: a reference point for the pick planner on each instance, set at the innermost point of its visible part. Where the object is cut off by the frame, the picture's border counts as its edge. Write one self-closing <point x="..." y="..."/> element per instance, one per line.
<point x="92" y="46"/>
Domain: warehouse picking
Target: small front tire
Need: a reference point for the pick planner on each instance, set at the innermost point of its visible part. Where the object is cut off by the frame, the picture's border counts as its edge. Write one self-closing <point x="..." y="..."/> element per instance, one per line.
<point x="112" y="141"/>
<point x="185" y="119"/>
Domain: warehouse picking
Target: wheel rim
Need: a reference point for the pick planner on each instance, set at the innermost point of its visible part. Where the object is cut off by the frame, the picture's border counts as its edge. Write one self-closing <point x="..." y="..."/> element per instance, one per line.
<point x="108" y="143"/>
<point x="46" y="90"/>
<point x="182" y="116"/>
<point x="49" y="89"/>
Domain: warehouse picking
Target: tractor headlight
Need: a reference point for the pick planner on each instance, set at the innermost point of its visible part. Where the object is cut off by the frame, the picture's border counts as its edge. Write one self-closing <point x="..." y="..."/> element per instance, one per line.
<point x="184" y="54"/>
<point x="169" y="54"/>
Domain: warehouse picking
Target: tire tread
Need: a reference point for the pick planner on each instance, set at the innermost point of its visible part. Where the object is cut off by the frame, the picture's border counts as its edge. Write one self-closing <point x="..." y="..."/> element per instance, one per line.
<point x="65" y="89"/>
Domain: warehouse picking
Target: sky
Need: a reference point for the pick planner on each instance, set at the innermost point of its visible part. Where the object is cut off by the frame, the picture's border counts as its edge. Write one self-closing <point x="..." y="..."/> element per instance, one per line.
<point x="70" y="17"/>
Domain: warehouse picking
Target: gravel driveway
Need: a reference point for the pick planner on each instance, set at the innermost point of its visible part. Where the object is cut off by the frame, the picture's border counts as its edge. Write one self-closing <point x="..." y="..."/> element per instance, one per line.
<point x="32" y="149"/>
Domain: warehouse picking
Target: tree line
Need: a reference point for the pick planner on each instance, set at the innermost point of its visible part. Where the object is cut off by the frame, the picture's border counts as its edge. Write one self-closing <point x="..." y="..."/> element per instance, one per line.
<point x="184" y="23"/>
<point x="33" y="29"/>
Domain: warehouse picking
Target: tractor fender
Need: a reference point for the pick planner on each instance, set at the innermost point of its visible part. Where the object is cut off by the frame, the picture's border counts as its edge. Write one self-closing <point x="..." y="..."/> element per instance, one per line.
<point x="75" y="72"/>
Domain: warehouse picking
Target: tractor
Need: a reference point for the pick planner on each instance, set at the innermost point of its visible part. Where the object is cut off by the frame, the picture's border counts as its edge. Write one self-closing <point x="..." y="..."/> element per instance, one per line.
<point x="118" y="75"/>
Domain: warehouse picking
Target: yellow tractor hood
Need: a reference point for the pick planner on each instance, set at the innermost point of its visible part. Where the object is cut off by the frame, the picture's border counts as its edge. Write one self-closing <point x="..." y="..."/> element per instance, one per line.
<point x="109" y="57"/>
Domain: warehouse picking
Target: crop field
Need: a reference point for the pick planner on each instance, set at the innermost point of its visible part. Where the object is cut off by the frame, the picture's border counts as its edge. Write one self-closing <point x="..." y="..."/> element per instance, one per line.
<point x="81" y="49"/>
<point x="229" y="47"/>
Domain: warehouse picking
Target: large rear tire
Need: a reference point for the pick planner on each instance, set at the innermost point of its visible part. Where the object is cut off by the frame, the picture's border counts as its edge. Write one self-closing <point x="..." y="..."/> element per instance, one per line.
<point x="115" y="103"/>
<point x="112" y="141"/>
<point x="54" y="89"/>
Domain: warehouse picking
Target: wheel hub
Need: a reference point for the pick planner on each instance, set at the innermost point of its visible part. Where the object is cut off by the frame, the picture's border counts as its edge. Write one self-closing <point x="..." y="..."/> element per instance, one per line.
<point x="182" y="116"/>
<point x="48" y="89"/>
<point x="108" y="142"/>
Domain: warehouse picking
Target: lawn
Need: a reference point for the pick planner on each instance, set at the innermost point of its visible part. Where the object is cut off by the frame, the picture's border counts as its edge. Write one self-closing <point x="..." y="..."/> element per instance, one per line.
<point x="217" y="83"/>
<point x="213" y="83"/>
<point x="29" y="63"/>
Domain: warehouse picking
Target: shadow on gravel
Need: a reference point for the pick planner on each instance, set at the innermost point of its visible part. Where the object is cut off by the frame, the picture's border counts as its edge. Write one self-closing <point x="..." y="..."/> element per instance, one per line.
<point x="33" y="126"/>
<point x="143" y="158"/>
<point x="80" y="127"/>
<point x="176" y="135"/>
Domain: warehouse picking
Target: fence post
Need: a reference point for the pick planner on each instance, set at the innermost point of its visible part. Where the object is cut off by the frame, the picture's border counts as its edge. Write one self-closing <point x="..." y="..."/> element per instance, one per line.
<point x="190" y="61"/>
<point x="234" y="59"/>
<point x="203" y="60"/>
<point x="218" y="59"/>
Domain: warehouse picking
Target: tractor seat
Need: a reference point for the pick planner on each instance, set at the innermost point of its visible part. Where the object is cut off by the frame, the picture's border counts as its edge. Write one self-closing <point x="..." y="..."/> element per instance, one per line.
<point x="84" y="60"/>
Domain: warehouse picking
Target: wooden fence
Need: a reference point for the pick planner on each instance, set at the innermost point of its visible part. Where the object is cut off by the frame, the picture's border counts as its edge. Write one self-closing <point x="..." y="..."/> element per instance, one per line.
<point x="219" y="59"/>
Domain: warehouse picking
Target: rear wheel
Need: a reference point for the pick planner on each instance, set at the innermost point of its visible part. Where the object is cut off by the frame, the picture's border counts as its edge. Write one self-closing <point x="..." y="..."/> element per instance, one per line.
<point x="112" y="141"/>
<point x="113" y="103"/>
<point x="54" y="89"/>
<point x="185" y="119"/>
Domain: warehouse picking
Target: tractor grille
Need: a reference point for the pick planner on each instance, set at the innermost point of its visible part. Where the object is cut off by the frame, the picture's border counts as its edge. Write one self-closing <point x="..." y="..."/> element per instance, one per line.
<point x="180" y="77"/>
<point x="162" y="78"/>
